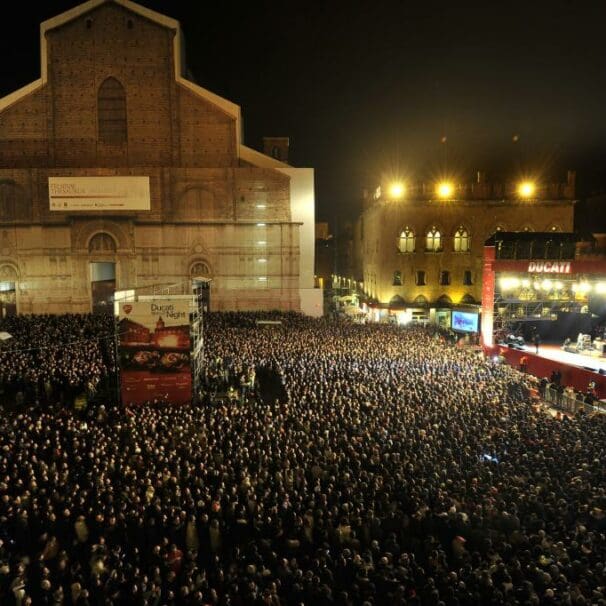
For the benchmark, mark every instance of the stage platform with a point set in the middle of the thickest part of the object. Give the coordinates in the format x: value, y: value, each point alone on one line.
x: 557, y: 354
x: 577, y: 369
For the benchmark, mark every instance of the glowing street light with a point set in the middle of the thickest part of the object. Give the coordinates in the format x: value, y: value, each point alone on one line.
x: 526, y: 189
x: 396, y: 189
x: 445, y: 189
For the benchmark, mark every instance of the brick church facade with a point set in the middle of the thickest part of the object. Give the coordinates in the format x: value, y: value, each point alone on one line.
x: 112, y: 102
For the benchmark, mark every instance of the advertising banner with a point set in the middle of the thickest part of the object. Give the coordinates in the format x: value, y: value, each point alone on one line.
x: 155, y: 351
x: 98, y: 193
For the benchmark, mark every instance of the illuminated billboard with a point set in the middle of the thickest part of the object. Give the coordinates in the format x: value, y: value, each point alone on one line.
x: 465, y: 321
x: 155, y: 351
x: 70, y: 194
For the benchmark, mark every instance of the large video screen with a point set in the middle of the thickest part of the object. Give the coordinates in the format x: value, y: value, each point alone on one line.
x: 465, y: 321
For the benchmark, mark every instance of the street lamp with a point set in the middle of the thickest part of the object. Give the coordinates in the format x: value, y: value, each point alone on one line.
x: 526, y: 189
x: 445, y: 189
x: 396, y: 190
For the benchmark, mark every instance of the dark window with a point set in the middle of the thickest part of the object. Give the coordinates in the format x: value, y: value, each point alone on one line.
x: 506, y: 250
x: 397, y: 278
x: 552, y: 249
x: 522, y: 250
x: 111, y: 112
x: 467, y: 278
x: 539, y: 249
x: 420, y: 278
x: 444, y: 278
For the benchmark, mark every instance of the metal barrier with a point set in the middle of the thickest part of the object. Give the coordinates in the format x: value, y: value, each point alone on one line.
x: 570, y: 401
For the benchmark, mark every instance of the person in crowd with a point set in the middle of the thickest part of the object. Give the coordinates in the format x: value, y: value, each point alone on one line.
x: 536, y: 339
x: 372, y: 465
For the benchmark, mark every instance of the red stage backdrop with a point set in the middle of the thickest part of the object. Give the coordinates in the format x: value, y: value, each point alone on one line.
x: 155, y: 351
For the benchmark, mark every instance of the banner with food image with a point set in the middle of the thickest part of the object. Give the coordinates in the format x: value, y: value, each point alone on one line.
x: 155, y: 351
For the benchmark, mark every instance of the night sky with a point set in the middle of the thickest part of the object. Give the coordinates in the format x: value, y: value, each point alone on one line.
x: 365, y: 89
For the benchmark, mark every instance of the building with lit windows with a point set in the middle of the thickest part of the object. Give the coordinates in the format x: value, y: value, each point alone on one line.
x: 117, y: 172
x: 419, y: 247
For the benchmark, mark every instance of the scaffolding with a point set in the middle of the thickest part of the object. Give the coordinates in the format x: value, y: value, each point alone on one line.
x: 201, y: 291
x: 509, y: 310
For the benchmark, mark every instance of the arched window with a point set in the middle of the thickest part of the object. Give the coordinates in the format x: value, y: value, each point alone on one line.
x: 462, y: 241
x: 444, y: 301
x: 102, y: 243
x: 433, y: 241
x: 8, y: 273
x: 200, y: 270
x: 407, y: 240
x: 468, y: 300
x: 420, y: 301
x: 111, y: 112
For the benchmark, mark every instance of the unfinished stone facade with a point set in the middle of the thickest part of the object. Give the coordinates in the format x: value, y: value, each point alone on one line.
x: 111, y: 101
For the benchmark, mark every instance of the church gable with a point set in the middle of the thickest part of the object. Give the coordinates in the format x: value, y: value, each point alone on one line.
x: 110, y: 71
x: 111, y: 94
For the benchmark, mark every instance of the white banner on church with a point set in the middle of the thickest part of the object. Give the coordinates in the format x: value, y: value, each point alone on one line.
x: 98, y: 193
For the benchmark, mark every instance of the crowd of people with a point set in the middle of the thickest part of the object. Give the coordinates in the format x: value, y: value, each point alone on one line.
x: 50, y: 357
x: 395, y: 468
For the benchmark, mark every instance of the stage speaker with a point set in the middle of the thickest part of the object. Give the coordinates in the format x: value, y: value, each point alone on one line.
x: 602, y: 371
